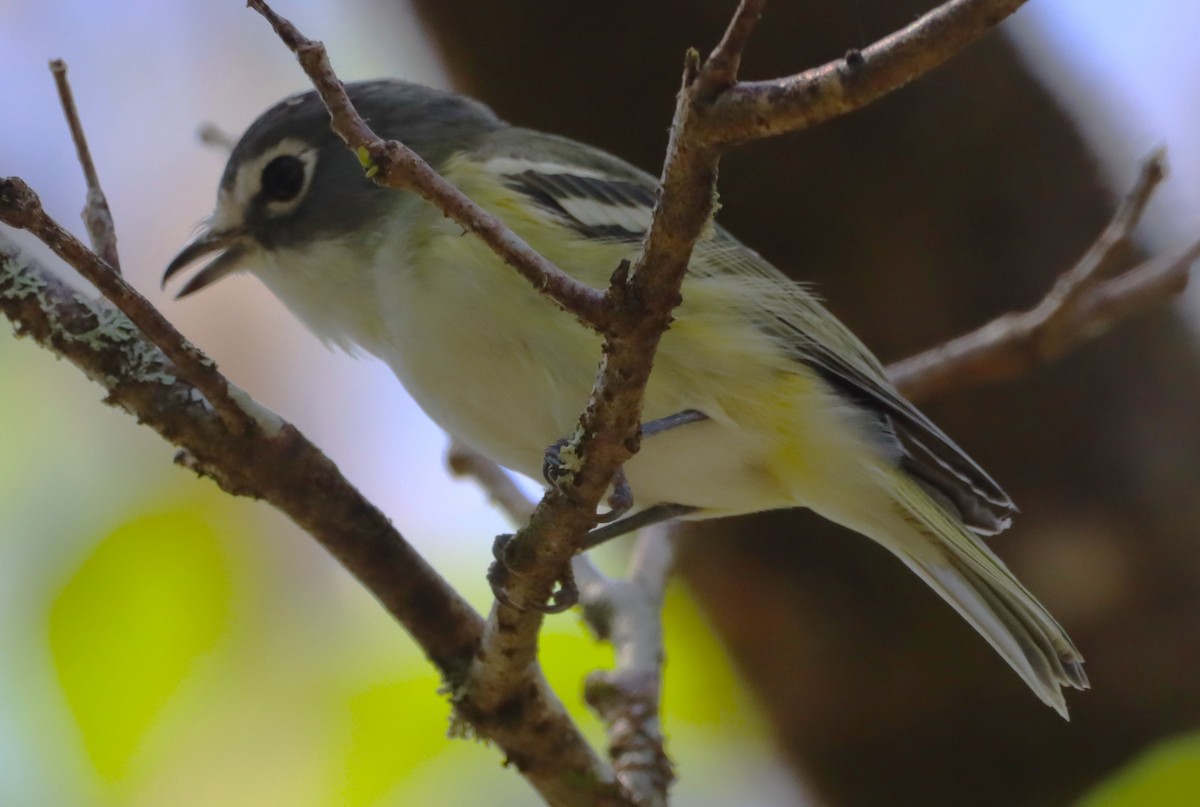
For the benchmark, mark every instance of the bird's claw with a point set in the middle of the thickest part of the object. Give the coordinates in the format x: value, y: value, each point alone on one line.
x: 554, y: 470
x: 558, y: 474
x: 620, y: 501
x: 563, y: 598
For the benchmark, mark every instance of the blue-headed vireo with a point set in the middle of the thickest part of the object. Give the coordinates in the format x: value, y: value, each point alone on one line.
x: 788, y: 408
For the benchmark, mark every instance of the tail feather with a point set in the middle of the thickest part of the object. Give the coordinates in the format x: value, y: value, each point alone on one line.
x: 1016, y: 625
x: 959, y: 566
x: 1065, y: 663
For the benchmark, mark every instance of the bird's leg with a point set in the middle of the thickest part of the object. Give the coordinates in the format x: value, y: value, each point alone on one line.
x: 614, y: 525
x: 558, y: 466
x: 651, y: 515
x: 660, y: 425
x: 619, y: 501
x: 560, y: 462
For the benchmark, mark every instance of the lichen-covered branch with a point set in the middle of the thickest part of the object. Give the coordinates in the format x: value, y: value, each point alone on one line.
x: 21, y: 208
x: 274, y: 462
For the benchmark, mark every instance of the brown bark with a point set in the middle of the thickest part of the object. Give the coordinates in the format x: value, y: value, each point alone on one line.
x: 919, y: 218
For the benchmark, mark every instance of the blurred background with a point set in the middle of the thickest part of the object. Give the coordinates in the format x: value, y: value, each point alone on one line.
x: 165, y: 644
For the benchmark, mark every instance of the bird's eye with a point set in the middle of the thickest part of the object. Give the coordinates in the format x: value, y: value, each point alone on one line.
x: 282, y: 178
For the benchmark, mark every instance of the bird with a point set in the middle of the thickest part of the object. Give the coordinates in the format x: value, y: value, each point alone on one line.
x: 760, y: 399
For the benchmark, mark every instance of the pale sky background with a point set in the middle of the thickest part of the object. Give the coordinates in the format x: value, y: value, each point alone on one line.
x: 146, y: 74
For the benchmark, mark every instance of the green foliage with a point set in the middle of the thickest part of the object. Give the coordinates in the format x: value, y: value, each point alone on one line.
x: 129, y: 626
x: 395, y: 726
x: 1168, y: 775
x: 181, y: 645
x: 700, y: 687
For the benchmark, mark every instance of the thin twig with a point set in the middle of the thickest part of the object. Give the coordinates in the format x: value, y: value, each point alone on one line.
x: 97, y: 217
x: 21, y: 208
x: 1110, y: 248
x: 501, y: 489
x: 213, y: 136
x: 628, y: 613
x: 1081, y: 305
x: 726, y: 59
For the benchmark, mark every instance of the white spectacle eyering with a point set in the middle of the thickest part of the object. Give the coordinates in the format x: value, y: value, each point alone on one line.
x: 232, y: 202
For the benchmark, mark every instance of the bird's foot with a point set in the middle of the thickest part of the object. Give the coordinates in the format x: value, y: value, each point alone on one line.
x: 564, y: 596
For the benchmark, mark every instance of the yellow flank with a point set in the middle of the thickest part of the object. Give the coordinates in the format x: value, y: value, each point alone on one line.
x: 818, y: 449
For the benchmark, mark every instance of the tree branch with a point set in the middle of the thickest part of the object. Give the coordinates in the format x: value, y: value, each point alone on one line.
x: 628, y: 613
x: 213, y: 136
x: 278, y: 464
x: 726, y: 59
x: 757, y: 109
x: 275, y: 462
x: 625, y: 613
x: 1081, y: 305
x: 20, y: 207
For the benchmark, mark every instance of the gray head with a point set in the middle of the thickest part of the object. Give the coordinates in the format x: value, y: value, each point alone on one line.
x: 291, y: 180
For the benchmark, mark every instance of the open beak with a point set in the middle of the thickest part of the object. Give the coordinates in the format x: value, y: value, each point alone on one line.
x: 230, y: 243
